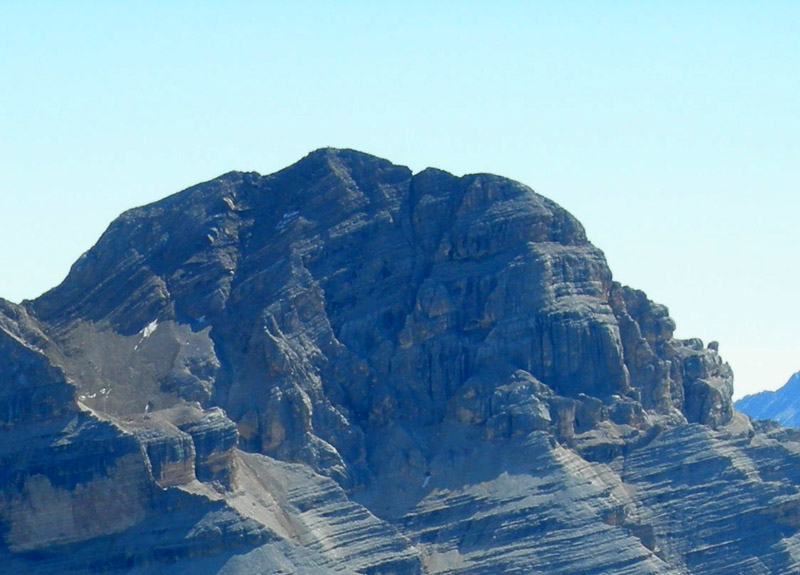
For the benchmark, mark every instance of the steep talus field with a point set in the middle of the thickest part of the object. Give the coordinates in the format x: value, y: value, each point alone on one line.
x: 346, y: 367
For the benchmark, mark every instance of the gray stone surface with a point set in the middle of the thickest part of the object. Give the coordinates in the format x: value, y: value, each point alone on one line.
x: 347, y: 367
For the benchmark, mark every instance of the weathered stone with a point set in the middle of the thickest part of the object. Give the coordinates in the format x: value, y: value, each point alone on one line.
x: 346, y: 367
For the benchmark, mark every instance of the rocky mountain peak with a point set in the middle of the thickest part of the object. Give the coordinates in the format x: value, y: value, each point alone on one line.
x: 344, y: 296
x: 388, y: 341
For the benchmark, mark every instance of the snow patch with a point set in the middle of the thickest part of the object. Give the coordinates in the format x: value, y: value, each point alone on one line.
x: 148, y: 330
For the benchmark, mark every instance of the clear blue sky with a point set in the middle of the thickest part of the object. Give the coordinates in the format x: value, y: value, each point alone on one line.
x: 670, y: 129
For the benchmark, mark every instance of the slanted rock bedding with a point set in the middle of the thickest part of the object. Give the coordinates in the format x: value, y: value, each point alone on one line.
x: 346, y: 367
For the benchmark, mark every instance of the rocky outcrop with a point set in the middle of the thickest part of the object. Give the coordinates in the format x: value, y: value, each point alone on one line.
x: 529, y: 506
x: 782, y: 405
x: 185, y: 443
x: 345, y: 294
x: 87, y: 492
x: 347, y: 366
x: 668, y: 373
x: 31, y: 388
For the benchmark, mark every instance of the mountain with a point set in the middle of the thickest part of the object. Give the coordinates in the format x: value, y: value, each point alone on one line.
x: 344, y: 367
x: 782, y: 405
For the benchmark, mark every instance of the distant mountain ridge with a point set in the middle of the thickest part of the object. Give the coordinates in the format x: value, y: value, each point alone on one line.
x: 782, y: 405
x: 345, y: 367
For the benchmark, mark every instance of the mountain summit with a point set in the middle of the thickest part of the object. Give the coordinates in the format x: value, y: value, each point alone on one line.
x: 346, y: 367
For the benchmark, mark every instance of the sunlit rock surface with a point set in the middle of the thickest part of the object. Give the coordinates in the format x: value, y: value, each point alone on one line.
x: 346, y: 367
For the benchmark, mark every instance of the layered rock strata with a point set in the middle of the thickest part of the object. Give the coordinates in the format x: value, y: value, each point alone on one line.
x: 347, y: 366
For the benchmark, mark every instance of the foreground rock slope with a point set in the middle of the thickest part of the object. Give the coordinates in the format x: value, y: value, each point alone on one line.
x: 346, y: 367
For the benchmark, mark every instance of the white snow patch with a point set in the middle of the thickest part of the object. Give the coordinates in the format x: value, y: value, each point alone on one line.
x: 148, y: 330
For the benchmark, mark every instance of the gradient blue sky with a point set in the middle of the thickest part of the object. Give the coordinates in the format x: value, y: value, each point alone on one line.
x: 671, y: 130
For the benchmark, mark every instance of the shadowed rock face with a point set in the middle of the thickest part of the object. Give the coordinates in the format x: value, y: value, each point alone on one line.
x: 455, y: 381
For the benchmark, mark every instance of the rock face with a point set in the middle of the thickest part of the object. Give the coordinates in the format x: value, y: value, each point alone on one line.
x: 782, y: 405
x: 348, y: 367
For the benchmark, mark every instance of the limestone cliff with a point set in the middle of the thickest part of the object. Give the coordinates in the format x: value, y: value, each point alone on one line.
x: 345, y: 365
